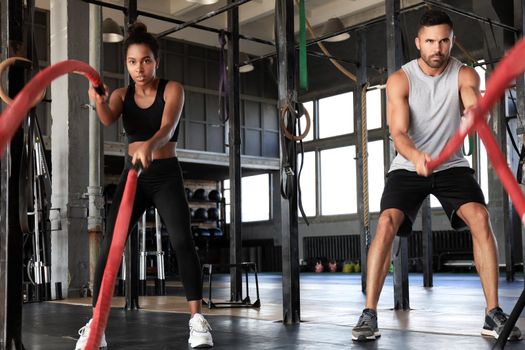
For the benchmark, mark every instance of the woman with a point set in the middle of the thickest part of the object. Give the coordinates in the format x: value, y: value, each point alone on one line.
x: 150, y: 108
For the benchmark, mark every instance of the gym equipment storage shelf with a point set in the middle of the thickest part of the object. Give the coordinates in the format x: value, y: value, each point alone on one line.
x: 207, y: 212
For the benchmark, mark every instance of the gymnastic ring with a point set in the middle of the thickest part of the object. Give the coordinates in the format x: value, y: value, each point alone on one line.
x: 287, y: 134
x: 3, y: 66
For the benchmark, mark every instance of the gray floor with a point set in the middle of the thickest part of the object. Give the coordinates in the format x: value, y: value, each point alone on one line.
x: 447, y: 316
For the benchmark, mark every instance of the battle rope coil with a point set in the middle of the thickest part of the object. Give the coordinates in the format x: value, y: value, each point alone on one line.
x: 120, y: 234
x: 15, y: 112
x: 509, y: 68
x: 3, y: 66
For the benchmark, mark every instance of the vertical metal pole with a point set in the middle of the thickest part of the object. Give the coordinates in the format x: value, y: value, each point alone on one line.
x: 400, y: 251
x: 235, y: 171
x: 14, y: 241
x: 284, y: 21
x: 143, y: 256
x: 520, y: 98
x: 362, y: 139
x: 426, y: 223
x: 510, y: 218
x: 132, y: 248
x: 500, y: 208
x: 4, y: 189
x: 161, y: 276
x: 94, y: 189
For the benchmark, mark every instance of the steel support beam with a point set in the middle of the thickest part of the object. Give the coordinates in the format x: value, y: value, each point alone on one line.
x: 520, y: 98
x: 361, y: 151
x: 11, y: 238
x: 94, y: 189
x: 231, y: 5
x: 503, y: 213
x: 4, y: 189
x: 235, y: 153
x: 471, y: 15
x: 286, y: 56
x: 176, y: 21
x: 132, y: 246
x: 400, y: 250
x: 426, y: 223
x: 344, y: 30
x: 520, y: 304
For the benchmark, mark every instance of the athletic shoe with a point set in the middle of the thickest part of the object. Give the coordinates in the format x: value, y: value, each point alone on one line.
x: 495, y: 322
x: 200, y: 336
x: 366, y: 327
x: 84, y: 334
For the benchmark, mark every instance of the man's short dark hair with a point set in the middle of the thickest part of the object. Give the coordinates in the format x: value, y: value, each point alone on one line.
x: 434, y: 18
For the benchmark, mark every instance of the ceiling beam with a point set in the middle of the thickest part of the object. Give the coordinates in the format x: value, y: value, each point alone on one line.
x: 181, y: 7
x: 255, y: 10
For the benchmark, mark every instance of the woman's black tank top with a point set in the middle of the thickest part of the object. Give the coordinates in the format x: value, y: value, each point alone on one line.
x: 141, y: 124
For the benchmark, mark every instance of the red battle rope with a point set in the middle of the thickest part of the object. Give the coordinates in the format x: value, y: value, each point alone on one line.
x: 10, y: 121
x: 16, y: 111
x: 120, y: 234
x: 507, y: 70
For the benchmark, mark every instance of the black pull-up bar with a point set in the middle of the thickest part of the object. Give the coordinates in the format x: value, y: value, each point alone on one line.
x: 176, y: 21
x: 203, y: 17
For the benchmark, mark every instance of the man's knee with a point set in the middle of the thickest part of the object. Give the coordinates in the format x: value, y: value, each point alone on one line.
x: 388, y: 224
x: 475, y: 215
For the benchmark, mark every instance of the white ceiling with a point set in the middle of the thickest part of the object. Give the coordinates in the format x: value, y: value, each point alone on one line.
x: 256, y: 17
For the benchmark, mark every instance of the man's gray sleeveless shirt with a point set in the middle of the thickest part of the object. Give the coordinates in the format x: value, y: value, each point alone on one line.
x: 435, y: 113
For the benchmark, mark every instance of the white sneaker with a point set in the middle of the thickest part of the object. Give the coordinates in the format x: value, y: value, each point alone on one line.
x: 84, y: 334
x: 200, y: 336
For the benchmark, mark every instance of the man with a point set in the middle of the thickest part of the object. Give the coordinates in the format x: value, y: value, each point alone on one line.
x: 425, y: 100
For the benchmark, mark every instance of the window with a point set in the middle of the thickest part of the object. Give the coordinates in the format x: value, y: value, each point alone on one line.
x: 309, y: 106
x: 484, y: 171
x: 373, y: 109
x: 376, y: 175
x: 481, y: 72
x: 336, y: 115
x: 338, y: 181
x: 255, y: 198
x: 307, y: 180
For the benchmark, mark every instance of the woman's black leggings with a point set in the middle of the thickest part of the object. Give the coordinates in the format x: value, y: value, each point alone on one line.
x: 161, y: 186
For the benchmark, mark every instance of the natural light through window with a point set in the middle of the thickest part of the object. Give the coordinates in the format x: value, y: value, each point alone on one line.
x: 376, y: 175
x: 338, y: 181
x: 308, y: 184
x: 484, y: 171
x: 309, y: 106
x: 336, y: 115
x: 255, y: 198
x: 373, y: 109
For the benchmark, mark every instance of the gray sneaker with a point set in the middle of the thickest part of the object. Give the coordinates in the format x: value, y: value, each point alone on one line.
x: 366, y: 327
x: 495, y: 322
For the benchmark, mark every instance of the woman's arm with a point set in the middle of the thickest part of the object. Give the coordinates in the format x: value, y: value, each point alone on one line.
x: 108, y: 113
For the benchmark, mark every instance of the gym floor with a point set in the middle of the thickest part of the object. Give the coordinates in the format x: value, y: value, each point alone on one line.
x: 447, y: 316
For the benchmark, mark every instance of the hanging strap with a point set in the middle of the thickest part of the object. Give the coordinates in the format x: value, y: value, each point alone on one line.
x: 303, y: 68
x: 223, y: 80
x: 290, y: 122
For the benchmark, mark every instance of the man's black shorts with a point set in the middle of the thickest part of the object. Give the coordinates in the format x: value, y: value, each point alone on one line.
x: 405, y: 190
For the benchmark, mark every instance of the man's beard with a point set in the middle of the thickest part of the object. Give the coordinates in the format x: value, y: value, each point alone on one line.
x: 435, y: 64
